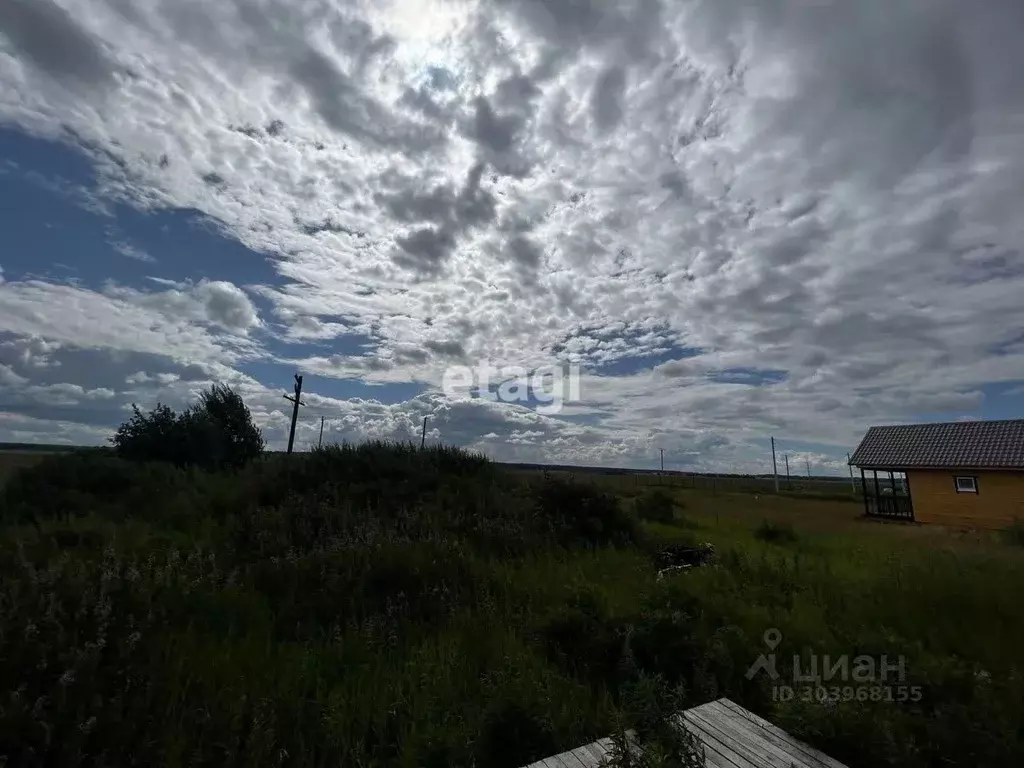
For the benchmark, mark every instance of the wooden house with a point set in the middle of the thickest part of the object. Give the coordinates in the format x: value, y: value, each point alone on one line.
x: 963, y: 474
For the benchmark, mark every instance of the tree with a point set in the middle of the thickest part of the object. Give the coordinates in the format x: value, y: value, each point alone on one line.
x: 215, y: 433
x: 227, y: 423
x: 153, y: 436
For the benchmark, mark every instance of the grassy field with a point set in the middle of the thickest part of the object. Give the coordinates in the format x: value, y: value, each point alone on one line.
x: 13, y: 460
x: 383, y: 606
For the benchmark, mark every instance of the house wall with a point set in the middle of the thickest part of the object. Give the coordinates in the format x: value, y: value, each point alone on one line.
x: 1000, y: 498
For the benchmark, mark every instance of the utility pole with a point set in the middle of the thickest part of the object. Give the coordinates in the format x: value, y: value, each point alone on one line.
x: 320, y: 443
x: 423, y: 437
x: 789, y: 483
x: 296, y: 402
x: 775, y: 467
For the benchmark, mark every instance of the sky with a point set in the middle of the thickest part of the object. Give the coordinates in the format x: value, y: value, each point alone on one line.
x: 739, y: 218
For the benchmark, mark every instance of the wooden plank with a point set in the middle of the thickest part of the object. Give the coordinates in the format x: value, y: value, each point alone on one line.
x: 605, y: 745
x: 811, y: 755
x: 783, y: 751
x: 779, y: 734
x: 564, y: 760
x: 732, y: 737
x: 716, y: 753
x: 740, y: 737
x: 739, y: 746
x: 587, y: 758
x: 594, y: 753
x: 571, y: 760
x: 597, y: 750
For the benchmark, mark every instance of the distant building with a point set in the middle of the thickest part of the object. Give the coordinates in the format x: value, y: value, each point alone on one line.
x: 963, y: 474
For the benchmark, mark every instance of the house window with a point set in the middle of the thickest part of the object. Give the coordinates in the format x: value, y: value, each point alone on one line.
x: 966, y: 484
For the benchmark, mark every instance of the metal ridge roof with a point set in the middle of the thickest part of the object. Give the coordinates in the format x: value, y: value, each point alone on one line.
x: 974, y: 444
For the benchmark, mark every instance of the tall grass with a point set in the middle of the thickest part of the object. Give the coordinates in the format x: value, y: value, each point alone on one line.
x: 379, y: 605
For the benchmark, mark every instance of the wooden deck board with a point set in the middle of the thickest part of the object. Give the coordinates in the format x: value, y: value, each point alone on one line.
x: 737, y: 737
x: 596, y: 753
x: 812, y: 757
x: 587, y: 758
x: 564, y: 760
x: 726, y: 751
x: 732, y: 736
x: 716, y: 754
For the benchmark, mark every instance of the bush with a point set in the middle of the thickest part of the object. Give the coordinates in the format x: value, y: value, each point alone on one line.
x: 650, y: 706
x: 513, y: 736
x: 216, y: 433
x: 1015, y: 533
x: 68, y: 485
x: 656, y: 507
x: 582, y: 514
x: 582, y: 639
x: 775, y: 533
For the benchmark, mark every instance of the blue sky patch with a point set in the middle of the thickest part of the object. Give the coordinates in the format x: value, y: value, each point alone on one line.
x: 627, y: 366
x: 56, y: 227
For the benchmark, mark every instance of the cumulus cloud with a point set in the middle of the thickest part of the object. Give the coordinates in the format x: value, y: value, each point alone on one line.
x: 181, y: 322
x: 818, y: 197
x: 227, y: 305
x: 54, y: 41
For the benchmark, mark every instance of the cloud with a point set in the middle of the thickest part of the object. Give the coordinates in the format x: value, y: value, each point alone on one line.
x: 227, y: 305
x: 349, y: 110
x: 606, y: 101
x: 180, y: 322
x: 132, y: 252
x: 821, y: 196
x: 45, y: 34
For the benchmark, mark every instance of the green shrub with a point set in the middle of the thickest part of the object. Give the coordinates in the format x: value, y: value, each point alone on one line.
x: 513, y: 736
x: 1014, y: 534
x: 216, y: 433
x: 582, y: 639
x: 67, y: 485
x: 581, y: 514
x: 656, y: 506
x: 659, y: 739
x: 775, y: 533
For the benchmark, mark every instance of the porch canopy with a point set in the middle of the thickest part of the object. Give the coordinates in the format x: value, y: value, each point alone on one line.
x: 958, y: 445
